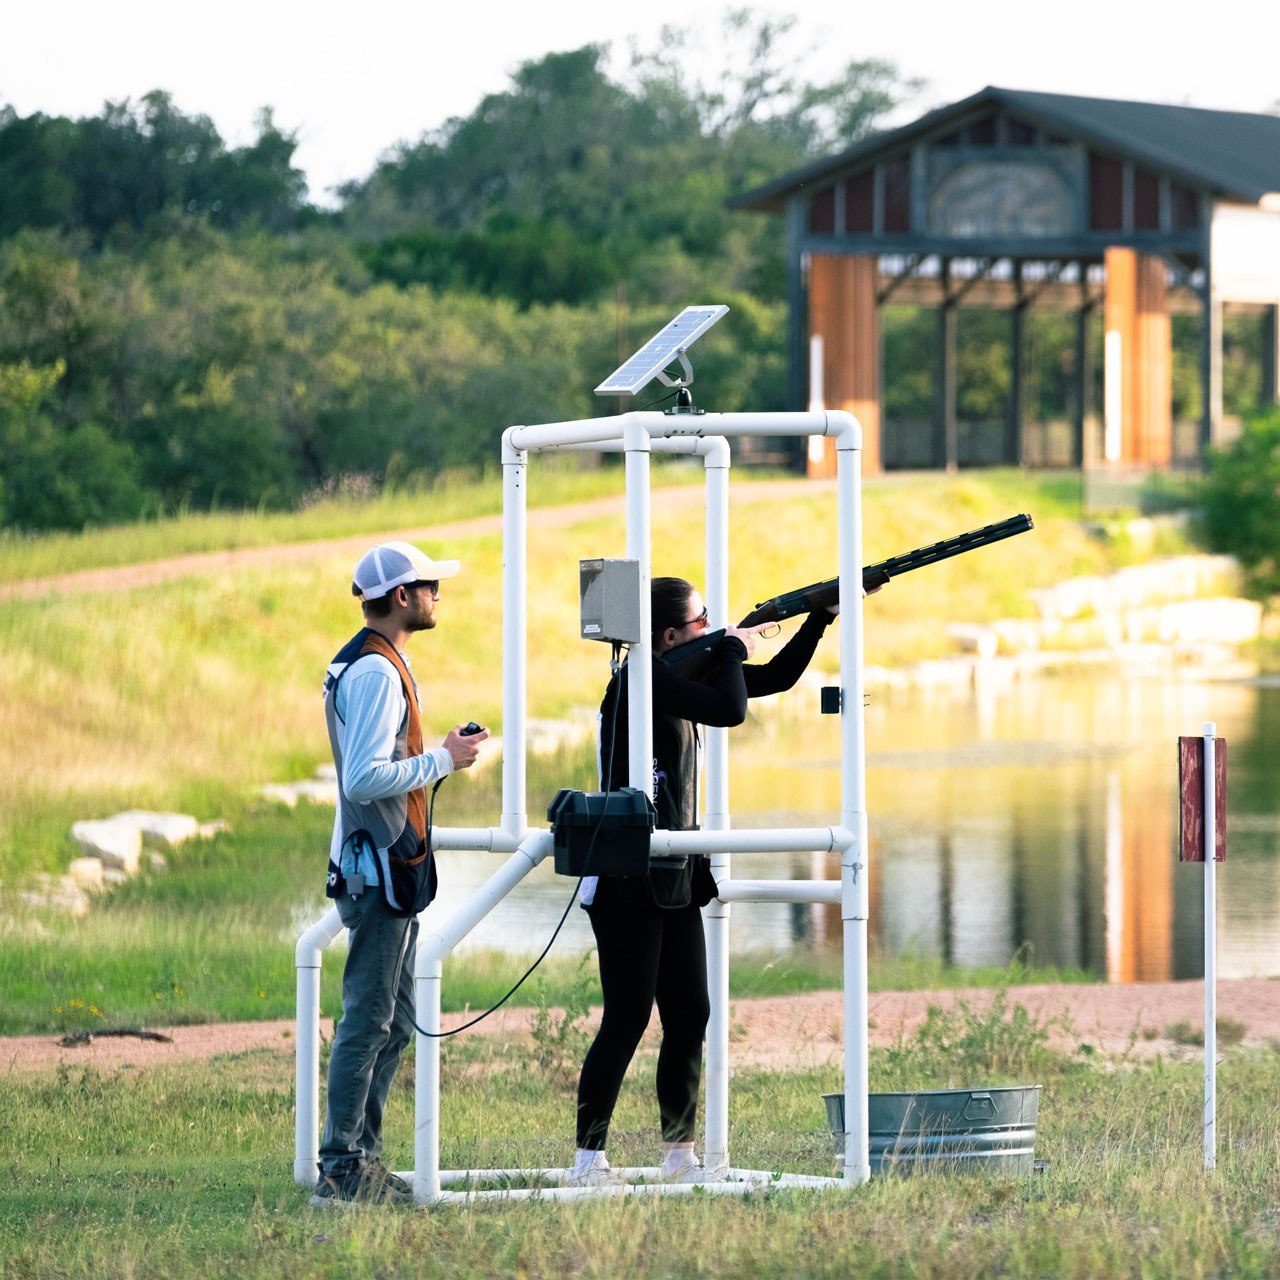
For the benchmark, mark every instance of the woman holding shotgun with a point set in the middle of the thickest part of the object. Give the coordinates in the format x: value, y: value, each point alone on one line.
x: 648, y: 929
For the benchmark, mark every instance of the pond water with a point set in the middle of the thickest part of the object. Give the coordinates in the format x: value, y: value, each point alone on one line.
x: 1039, y: 814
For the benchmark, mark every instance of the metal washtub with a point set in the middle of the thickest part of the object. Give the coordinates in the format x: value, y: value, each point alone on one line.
x: 951, y: 1129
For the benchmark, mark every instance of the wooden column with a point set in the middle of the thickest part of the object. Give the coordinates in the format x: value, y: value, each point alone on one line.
x: 946, y: 427
x: 844, y: 312
x: 1153, y: 369
x: 1138, y: 338
x: 1270, y: 322
x: 797, y: 340
x: 1085, y: 372
x: 1017, y: 362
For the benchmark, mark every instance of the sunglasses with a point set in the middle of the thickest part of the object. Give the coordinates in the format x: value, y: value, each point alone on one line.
x: 425, y: 584
x: 700, y: 621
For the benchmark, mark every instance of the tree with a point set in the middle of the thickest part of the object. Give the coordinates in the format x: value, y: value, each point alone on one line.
x: 1240, y: 499
x: 53, y: 479
x: 635, y: 169
x: 135, y: 160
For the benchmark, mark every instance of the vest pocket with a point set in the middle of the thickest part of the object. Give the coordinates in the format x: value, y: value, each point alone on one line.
x: 411, y: 881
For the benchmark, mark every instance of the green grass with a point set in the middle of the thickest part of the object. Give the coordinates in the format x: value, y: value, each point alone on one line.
x: 211, y: 939
x: 186, y: 1171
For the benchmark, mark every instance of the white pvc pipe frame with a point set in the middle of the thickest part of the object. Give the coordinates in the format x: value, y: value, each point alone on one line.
x: 637, y: 435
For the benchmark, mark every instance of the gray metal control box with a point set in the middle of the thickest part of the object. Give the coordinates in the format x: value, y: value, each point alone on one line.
x: 609, y: 599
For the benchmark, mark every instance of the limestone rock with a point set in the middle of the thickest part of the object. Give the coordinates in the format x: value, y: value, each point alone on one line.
x: 317, y: 792
x: 161, y: 830
x: 289, y: 793
x: 282, y: 793
x: 86, y: 872
x: 115, y: 844
x: 971, y: 638
x: 59, y: 892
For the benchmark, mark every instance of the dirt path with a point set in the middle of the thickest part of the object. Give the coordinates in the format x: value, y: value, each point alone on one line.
x: 204, y: 563
x: 781, y: 1032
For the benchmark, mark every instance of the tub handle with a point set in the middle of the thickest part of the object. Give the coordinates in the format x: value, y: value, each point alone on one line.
x: 980, y: 1107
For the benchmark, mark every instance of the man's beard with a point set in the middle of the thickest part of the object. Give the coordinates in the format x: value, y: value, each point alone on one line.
x: 422, y: 621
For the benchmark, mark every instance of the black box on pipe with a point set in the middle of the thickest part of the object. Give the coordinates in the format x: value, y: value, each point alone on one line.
x: 601, y: 833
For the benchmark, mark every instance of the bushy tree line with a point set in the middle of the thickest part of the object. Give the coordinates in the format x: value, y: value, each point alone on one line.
x: 210, y: 370
x: 120, y: 168
x: 178, y: 326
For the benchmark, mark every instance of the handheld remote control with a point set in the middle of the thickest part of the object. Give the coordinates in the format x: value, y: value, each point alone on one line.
x: 470, y: 728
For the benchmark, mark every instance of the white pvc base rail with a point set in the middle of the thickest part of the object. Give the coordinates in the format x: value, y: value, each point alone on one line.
x: 637, y: 1182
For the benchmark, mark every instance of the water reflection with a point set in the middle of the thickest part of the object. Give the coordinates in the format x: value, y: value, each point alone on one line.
x: 1045, y: 813
x: 1040, y: 813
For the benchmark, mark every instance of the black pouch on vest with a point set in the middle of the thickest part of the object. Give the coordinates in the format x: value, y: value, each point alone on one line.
x: 413, y: 875
x: 670, y: 883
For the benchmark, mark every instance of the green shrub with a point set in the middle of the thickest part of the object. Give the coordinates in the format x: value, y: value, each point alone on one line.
x: 1240, y: 499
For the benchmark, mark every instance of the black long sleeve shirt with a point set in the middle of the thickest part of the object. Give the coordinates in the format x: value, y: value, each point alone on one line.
x: 679, y: 703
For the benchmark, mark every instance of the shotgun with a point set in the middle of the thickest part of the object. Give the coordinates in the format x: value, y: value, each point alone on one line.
x: 695, y: 657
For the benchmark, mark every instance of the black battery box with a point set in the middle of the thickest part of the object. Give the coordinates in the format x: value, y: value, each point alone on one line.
x: 601, y: 833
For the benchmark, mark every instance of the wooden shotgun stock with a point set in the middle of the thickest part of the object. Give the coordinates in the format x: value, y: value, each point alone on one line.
x: 695, y: 658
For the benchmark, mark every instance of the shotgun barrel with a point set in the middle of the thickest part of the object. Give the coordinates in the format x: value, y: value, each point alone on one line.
x: 820, y: 594
x: 696, y: 657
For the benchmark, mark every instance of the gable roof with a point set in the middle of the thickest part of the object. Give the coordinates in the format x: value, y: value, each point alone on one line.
x: 1232, y: 153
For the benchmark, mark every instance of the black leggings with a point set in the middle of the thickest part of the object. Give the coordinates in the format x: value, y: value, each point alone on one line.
x: 645, y: 954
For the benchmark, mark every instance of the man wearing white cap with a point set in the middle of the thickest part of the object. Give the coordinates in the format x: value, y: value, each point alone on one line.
x: 381, y: 871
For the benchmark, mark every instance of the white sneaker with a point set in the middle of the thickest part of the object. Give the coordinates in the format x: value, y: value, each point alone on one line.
x: 688, y: 1170
x: 591, y: 1169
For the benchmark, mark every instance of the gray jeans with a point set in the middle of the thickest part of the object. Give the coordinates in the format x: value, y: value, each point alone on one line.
x: 377, y: 1005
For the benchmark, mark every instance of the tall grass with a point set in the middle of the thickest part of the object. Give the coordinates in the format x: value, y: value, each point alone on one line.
x: 180, y: 694
x: 345, y: 511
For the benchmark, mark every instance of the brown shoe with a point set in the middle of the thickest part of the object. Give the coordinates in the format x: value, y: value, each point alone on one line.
x: 369, y: 1184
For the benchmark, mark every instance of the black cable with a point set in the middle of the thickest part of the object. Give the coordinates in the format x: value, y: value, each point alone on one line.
x: 607, y: 775
x: 660, y: 400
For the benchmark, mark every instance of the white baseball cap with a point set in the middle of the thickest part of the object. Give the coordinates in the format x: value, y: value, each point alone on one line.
x: 391, y: 564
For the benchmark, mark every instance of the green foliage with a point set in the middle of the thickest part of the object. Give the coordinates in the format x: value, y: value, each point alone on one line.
x: 218, y: 343
x: 1240, y: 500
x: 950, y: 1049
x: 135, y: 160
x: 50, y: 478
x: 560, y: 1040
x: 223, y: 371
x: 597, y: 179
x: 527, y: 261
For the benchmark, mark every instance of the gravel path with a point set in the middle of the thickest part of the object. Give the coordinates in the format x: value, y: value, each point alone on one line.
x: 782, y: 1032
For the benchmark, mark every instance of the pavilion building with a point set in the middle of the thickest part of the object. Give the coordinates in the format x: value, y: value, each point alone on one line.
x: 1013, y: 200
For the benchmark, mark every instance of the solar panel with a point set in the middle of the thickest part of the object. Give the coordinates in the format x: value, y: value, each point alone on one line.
x: 664, y: 347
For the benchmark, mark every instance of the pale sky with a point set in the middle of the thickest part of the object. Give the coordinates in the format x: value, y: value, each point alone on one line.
x: 353, y: 79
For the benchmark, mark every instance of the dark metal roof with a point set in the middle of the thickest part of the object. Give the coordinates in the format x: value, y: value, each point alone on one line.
x: 1232, y: 153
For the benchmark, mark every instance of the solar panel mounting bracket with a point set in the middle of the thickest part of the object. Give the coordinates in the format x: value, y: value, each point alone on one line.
x: 686, y: 381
